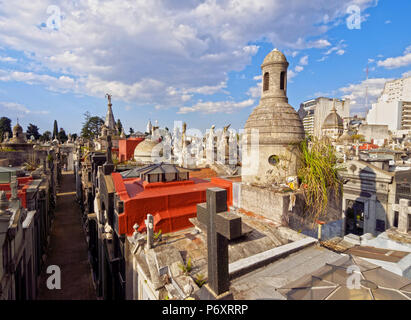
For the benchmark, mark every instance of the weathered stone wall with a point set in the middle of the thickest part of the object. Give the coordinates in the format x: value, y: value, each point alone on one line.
x: 18, y: 158
x: 269, y: 203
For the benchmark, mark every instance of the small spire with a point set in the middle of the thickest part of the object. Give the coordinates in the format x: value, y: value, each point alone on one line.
x: 334, y: 109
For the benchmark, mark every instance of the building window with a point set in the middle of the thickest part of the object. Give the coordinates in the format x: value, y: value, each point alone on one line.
x: 282, y: 80
x: 266, y: 81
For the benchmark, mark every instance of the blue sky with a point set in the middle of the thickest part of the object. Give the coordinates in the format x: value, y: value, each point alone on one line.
x: 193, y: 60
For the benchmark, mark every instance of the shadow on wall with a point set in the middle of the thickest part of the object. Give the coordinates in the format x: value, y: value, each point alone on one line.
x: 361, y: 213
x: 333, y: 227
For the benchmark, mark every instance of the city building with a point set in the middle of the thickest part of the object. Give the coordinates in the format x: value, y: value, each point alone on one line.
x: 314, y: 112
x: 393, y: 107
x: 333, y: 126
x: 369, y: 191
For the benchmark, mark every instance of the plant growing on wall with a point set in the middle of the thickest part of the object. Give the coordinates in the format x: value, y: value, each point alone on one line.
x: 318, y: 175
x: 187, y: 267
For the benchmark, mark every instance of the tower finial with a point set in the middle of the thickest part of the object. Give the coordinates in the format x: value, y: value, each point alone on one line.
x: 108, y: 96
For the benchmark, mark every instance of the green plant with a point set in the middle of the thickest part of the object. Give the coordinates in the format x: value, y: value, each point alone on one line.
x: 199, y: 280
x: 158, y: 235
x: 319, y: 175
x: 187, y: 267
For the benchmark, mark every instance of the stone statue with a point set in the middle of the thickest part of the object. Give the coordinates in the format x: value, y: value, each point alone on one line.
x: 226, y: 129
x: 108, y: 96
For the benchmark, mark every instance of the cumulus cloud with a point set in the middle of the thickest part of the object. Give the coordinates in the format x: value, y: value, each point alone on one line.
x: 19, y: 109
x: 406, y: 74
x: 304, y: 61
x: 397, y: 62
x: 357, y: 92
x: 156, y: 52
x: 7, y: 59
x: 217, y: 107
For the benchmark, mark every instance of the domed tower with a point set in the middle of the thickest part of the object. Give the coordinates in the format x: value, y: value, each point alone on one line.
x: 275, y: 154
x: 333, y: 126
x: 18, y: 135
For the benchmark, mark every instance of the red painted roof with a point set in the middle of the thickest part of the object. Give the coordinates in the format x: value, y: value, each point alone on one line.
x: 23, y: 185
x: 171, y: 203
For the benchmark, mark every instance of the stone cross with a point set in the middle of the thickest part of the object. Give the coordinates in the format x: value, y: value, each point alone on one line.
x: 150, y: 230
x: 404, y: 210
x: 222, y: 226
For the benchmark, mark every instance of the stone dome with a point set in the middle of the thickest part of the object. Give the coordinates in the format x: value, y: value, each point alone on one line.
x: 144, y: 151
x: 333, y: 121
x: 276, y: 120
x: 17, y: 129
x: 277, y: 123
x: 275, y: 56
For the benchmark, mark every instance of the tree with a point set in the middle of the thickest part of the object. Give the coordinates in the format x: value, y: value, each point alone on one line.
x: 46, y: 136
x: 55, y: 130
x: 74, y: 136
x: 92, y: 126
x: 33, y: 130
x: 5, y: 126
x: 119, y: 126
x: 62, y: 136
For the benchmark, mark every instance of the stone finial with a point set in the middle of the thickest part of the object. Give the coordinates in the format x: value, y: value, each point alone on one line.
x: 135, y: 233
x: 14, y: 188
x: 4, y: 203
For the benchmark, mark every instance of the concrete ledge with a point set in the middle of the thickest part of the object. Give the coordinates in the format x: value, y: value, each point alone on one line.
x: 245, y: 265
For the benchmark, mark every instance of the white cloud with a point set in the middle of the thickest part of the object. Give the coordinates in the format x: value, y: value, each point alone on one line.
x: 19, y: 109
x: 397, y: 62
x: 304, y: 61
x: 406, y: 74
x: 357, y: 92
x: 298, y: 68
x: 392, y: 63
x: 156, y: 52
x: 8, y: 59
x: 217, y: 107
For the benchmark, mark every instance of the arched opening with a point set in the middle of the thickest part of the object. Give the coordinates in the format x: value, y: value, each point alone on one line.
x: 266, y: 81
x: 282, y: 80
